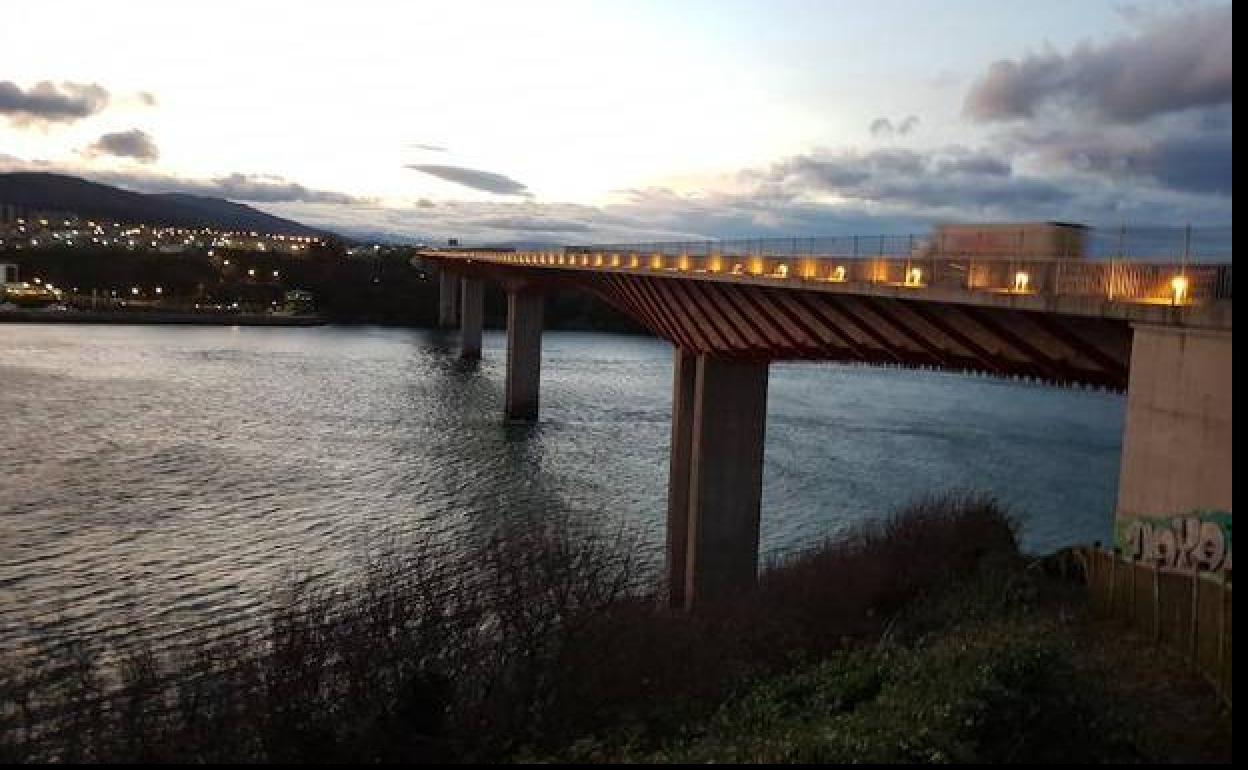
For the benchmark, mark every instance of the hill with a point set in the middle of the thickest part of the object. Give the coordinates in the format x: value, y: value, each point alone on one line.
x: 38, y: 191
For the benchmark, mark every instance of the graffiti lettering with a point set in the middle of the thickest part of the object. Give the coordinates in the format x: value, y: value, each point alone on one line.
x: 1189, y: 543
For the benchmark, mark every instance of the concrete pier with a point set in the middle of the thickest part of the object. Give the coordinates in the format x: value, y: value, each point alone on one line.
x: 448, y: 299
x: 1176, y: 449
x: 718, y: 428
x: 684, y: 379
x: 524, y: 354
x: 471, y: 318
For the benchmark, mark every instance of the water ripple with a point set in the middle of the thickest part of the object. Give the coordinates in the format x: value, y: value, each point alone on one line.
x: 169, y: 479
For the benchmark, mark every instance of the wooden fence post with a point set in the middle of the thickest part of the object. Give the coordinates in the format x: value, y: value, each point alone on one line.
x: 1222, y: 651
x: 1113, y: 581
x: 1156, y: 604
x: 1194, y: 626
x: 1134, y: 568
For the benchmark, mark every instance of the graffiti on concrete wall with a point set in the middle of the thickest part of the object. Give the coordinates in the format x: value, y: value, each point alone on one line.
x: 1196, y: 542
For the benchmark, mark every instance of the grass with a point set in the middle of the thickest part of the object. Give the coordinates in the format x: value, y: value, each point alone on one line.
x: 925, y: 637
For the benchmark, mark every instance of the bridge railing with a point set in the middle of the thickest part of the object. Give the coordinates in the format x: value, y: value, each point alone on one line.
x: 1175, y: 283
x: 1134, y: 243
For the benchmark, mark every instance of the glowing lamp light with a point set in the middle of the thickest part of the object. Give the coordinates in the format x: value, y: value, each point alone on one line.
x: 1021, y: 279
x: 159, y: 290
x: 782, y: 271
x: 914, y: 277
x: 251, y: 271
x: 615, y: 260
x: 738, y: 269
x: 1178, y: 289
x: 134, y: 290
x: 838, y: 274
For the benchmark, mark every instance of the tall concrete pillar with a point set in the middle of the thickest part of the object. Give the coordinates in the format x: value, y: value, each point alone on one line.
x: 471, y: 318
x: 684, y: 377
x: 448, y: 299
x: 1176, y: 448
x: 524, y: 354
x: 724, y: 491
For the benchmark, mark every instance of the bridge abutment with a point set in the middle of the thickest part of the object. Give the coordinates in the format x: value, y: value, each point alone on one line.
x: 524, y: 354
x: 471, y: 318
x: 1176, y: 449
x: 448, y: 299
x: 719, y: 417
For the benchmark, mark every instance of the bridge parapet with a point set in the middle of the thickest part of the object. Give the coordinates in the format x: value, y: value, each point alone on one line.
x: 1133, y: 290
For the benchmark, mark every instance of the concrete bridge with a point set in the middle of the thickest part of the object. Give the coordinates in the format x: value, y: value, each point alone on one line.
x: 1161, y: 332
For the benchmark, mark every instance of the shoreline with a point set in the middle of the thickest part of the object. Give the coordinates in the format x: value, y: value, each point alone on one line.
x: 155, y: 318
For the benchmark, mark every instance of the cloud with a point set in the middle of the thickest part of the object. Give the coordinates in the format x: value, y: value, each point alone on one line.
x: 1189, y: 156
x: 948, y: 178
x: 883, y: 127
x: 135, y: 144
x: 1171, y: 63
x: 487, y: 181
x: 427, y: 147
x: 147, y: 98
x: 534, y: 224
x: 48, y: 102
x: 251, y: 188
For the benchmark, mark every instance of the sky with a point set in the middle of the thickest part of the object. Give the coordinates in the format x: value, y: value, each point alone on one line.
x: 585, y: 121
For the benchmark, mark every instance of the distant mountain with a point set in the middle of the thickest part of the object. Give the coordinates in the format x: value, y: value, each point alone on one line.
x: 37, y: 191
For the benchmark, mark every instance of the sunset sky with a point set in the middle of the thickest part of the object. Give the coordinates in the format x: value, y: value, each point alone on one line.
x: 607, y: 121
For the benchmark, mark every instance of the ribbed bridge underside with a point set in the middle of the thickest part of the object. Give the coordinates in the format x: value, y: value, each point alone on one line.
x: 760, y: 322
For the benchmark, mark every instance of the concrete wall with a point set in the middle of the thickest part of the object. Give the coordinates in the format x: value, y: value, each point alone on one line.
x: 1176, y: 455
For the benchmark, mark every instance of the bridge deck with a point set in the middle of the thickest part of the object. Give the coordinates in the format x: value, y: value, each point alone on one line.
x: 1174, y: 294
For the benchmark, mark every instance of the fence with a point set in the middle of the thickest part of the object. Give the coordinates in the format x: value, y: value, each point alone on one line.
x: 1174, y: 283
x: 1136, y: 243
x: 1187, y: 612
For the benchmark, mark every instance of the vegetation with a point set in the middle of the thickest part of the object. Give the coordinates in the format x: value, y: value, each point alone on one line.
x: 925, y: 638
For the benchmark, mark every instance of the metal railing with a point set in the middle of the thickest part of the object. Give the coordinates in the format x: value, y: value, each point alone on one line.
x: 1134, y: 243
x: 1172, y: 283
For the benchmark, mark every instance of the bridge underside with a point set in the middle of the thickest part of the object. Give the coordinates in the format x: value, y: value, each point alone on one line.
x: 762, y: 323
x: 725, y: 334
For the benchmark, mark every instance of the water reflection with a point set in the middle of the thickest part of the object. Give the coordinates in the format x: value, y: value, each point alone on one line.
x: 170, y: 477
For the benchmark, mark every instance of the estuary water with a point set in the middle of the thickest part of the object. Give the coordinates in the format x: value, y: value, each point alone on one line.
x: 169, y: 479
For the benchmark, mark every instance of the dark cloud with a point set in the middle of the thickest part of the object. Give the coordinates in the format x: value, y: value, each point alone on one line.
x: 883, y: 127
x: 1171, y: 63
x: 1187, y: 159
x: 262, y: 188
x: 945, y: 178
x: 486, y: 181
x: 135, y: 144
x: 973, y: 163
x: 48, y: 102
x: 249, y: 188
x: 534, y: 224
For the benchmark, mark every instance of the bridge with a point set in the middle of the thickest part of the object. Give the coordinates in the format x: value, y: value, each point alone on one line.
x: 1161, y: 331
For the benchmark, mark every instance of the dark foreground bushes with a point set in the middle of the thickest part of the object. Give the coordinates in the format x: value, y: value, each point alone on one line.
x: 906, y: 641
